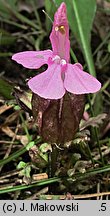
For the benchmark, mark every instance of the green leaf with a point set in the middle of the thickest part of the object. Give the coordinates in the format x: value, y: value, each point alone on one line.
x: 18, y: 153
x: 50, y: 9
x: 13, y: 3
x: 9, y: 8
x: 30, y: 145
x: 6, y: 89
x: 4, y: 7
x: 82, y: 14
x: 21, y: 165
x: 25, y: 170
x: 44, y: 148
x: 6, y: 38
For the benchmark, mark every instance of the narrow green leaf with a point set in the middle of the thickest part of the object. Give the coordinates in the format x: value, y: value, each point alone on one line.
x: 6, y: 89
x: 6, y: 38
x: 4, y: 9
x: 50, y: 9
x: 35, y: 184
x: 17, y: 154
x: 9, y: 11
x: 83, y: 15
x: 77, y: 177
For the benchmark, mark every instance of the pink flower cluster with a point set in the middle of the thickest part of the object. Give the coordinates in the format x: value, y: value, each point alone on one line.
x: 60, y: 76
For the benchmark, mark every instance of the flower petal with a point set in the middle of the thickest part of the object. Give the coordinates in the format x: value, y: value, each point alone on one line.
x: 48, y: 84
x: 59, y: 36
x: 79, y: 82
x: 32, y: 59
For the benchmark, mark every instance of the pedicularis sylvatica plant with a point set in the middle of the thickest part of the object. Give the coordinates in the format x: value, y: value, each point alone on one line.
x: 58, y: 93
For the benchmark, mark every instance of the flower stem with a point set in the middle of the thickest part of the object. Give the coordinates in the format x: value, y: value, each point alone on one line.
x: 25, y: 127
x: 54, y: 155
x: 89, y: 151
x: 95, y: 130
x: 52, y: 166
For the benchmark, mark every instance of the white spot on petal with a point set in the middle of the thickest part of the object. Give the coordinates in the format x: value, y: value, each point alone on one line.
x: 56, y: 59
x: 40, y: 56
x: 63, y: 62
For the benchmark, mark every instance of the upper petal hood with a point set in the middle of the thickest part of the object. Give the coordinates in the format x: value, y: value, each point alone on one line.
x: 59, y: 36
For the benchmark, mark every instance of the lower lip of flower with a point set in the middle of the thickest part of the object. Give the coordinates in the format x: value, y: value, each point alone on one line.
x: 62, y: 63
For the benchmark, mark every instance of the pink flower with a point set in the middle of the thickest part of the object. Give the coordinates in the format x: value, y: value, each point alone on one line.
x: 61, y: 76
